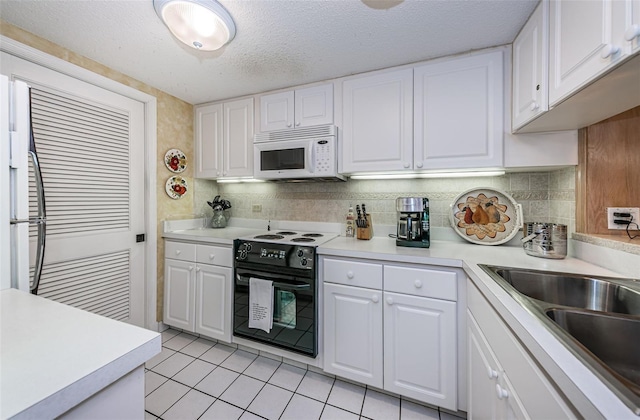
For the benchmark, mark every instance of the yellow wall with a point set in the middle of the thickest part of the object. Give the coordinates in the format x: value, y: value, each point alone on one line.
x: 174, y: 130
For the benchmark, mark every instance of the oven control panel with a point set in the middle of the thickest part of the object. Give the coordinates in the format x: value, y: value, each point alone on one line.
x: 272, y: 254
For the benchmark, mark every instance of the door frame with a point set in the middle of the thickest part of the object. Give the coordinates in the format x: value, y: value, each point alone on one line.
x: 13, y: 47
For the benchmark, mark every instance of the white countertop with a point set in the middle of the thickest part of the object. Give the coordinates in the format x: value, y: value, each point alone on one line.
x: 584, y: 389
x: 222, y: 236
x: 54, y: 356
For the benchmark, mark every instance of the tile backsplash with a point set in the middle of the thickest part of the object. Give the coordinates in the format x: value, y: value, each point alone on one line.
x: 545, y: 197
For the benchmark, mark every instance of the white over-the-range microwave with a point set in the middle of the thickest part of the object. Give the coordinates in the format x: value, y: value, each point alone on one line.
x: 308, y: 153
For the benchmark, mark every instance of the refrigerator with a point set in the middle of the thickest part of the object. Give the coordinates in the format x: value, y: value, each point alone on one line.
x: 19, y: 252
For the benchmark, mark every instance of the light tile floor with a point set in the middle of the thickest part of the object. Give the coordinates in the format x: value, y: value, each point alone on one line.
x: 194, y: 378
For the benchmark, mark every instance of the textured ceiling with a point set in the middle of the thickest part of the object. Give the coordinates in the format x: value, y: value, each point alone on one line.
x: 279, y: 43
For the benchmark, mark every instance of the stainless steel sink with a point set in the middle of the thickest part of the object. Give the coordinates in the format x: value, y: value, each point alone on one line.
x: 577, y: 291
x: 596, y: 318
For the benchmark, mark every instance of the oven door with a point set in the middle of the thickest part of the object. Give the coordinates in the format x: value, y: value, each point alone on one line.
x: 294, y: 311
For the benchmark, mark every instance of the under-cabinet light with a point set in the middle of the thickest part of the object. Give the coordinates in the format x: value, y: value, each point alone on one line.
x: 418, y: 175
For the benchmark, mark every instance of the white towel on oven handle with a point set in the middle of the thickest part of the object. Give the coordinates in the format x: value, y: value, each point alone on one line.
x: 260, y: 304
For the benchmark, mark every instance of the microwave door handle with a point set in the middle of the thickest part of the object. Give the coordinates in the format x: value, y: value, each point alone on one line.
x: 312, y: 158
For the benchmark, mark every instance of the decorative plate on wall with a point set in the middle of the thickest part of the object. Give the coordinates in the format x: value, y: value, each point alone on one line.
x: 176, y: 187
x: 175, y: 161
x: 486, y: 216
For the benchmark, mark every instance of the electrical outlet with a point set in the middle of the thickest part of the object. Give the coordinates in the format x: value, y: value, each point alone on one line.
x: 256, y: 208
x: 634, y: 211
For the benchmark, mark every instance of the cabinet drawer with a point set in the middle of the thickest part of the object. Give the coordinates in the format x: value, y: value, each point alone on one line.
x: 437, y: 284
x: 216, y: 255
x: 353, y: 273
x: 180, y: 251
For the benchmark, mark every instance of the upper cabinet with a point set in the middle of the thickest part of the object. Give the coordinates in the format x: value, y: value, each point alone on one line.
x: 530, y: 76
x: 224, y: 139
x: 377, y: 124
x: 297, y: 108
x: 459, y: 112
x: 593, y: 65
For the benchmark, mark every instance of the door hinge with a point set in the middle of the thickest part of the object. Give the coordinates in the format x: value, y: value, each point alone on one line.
x: 140, y: 237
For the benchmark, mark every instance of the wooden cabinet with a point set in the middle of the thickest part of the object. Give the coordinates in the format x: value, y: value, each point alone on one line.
x: 198, y: 289
x: 377, y: 127
x: 530, y: 68
x: 391, y: 327
x: 224, y: 139
x: 504, y: 381
x: 297, y: 108
x: 458, y: 112
x: 583, y: 44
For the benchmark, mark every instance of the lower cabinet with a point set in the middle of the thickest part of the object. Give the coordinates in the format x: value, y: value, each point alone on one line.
x: 197, y: 297
x: 504, y: 381
x: 400, y: 342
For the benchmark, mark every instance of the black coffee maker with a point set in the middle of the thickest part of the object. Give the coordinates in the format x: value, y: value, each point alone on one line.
x: 413, y: 222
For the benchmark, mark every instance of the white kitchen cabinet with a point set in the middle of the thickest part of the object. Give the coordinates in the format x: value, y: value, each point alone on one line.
x: 422, y: 330
x: 504, y: 381
x: 224, y: 139
x: 198, y: 289
x: 459, y: 112
x: 179, y: 293
x: 353, y: 333
x: 583, y: 44
x: 392, y: 327
x: 530, y: 68
x: 297, y: 108
x: 377, y: 127
x: 628, y: 33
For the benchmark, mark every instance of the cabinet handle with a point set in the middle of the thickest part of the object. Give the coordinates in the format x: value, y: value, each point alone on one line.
x: 534, y: 106
x: 190, y: 268
x: 212, y: 256
x: 390, y: 301
x: 609, y: 50
x: 406, y: 164
x: 297, y: 124
x: 197, y: 269
x: 178, y: 252
x: 502, y: 393
x: 418, y: 164
x: 375, y: 298
x: 492, y: 373
x: 289, y: 125
x: 350, y: 274
x: 418, y: 284
x: 217, y: 173
x: 224, y: 173
x: 632, y: 32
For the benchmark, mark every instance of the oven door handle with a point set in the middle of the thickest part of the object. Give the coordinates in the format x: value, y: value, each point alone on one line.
x: 242, y: 282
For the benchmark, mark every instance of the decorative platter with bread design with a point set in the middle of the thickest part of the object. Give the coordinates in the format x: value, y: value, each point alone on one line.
x: 486, y: 216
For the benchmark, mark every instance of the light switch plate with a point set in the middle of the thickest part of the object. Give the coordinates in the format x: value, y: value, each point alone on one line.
x: 635, y: 216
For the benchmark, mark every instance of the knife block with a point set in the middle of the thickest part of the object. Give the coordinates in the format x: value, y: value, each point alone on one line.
x: 365, y: 233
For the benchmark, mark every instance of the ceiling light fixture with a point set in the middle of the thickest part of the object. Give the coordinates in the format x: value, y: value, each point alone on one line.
x: 201, y: 24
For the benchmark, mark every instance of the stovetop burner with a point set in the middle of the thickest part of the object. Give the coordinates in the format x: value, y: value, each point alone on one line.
x: 268, y: 236
x: 313, y: 235
x: 287, y: 233
x: 303, y: 239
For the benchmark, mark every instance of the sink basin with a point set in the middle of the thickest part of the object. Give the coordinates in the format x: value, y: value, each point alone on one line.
x: 573, y: 290
x: 602, y: 335
x: 596, y: 318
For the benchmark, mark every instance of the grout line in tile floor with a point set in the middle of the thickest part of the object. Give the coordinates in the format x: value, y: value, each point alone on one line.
x: 168, y: 399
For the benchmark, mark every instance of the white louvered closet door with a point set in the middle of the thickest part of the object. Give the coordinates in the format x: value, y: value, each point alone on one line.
x: 90, y: 143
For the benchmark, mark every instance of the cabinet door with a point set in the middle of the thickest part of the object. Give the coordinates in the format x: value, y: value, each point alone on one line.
x: 238, y: 138
x: 353, y: 333
x: 378, y: 122
x: 208, y: 141
x: 314, y: 106
x: 179, y: 294
x: 276, y: 111
x: 213, y: 301
x: 626, y: 25
x: 459, y: 114
x: 530, y: 68
x: 420, y: 353
x: 482, y: 375
x: 581, y: 43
